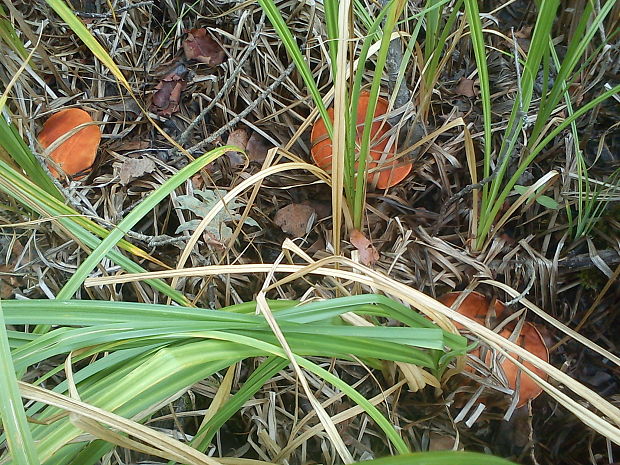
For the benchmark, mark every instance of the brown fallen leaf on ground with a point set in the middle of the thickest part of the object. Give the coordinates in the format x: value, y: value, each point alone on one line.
x: 524, y: 33
x: 318, y: 245
x: 295, y: 218
x: 239, y: 138
x: 368, y: 253
x: 167, y: 95
x: 133, y: 168
x: 200, y: 46
x: 466, y: 88
x: 257, y: 147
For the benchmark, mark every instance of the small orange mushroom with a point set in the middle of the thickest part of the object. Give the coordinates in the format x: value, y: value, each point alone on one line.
x: 391, y: 171
x: 77, y: 153
x: 474, y: 306
x: 530, y: 339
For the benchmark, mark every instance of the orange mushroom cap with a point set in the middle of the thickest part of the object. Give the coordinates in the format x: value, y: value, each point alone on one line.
x: 531, y: 340
x: 391, y: 171
x: 474, y: 306
x: 76, y: 154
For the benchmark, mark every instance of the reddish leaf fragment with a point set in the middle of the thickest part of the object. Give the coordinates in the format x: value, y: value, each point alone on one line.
x: 466, y: 88
x: 238, y: 138
x: 168, y: 92
x: 257, y: 147
x: 200, y: 46
x: 294, y: 219
x: 368, y: 253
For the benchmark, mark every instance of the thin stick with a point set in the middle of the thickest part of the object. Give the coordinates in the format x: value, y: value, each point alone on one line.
x: 229, y: 82
x: 261, y: 98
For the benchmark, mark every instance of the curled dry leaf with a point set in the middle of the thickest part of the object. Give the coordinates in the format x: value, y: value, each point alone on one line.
x: 76, y: 155
x: 238, y: 138
x: 167, y: 95
x: 390, y: 171
x: 133, y: 168
x: 466, y: 88
x: 200, y: 46
x: 368, y: 253
x: 257, y: 147
x: 295, y: 219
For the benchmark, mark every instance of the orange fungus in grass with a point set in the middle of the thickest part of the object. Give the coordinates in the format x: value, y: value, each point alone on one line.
x: 76, y: 154
x: 476, y: 306
x: 530, y: 339
x: 390, y: 171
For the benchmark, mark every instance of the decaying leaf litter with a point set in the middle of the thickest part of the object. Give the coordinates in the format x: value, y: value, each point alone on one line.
x: 246, y: 86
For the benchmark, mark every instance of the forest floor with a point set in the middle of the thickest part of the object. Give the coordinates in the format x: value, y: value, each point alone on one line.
x: 213, y: 73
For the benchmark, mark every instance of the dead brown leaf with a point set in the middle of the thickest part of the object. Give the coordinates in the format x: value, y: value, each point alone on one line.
x: 200, y: 46
x: 8, y: 284
x: 322, y: 209
x: 295, y: 219
x: 239, y: 138
x: 133, y: 168
x: 368, y: 253
x: 168, y: 92
x: 440, y: 441
x: 524, y: 33
x: 318, y: 245
x: 257, y: 147
x: 466, y: 88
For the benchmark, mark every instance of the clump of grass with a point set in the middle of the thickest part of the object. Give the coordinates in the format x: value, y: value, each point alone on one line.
x: 132, y: 358
x: 497, y: 186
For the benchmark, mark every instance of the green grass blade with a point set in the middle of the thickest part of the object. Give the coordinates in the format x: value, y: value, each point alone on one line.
x: 8, y: 35
x: 581, y: 40
x: 331, y: 21
x: 252, y: 385
x: 32, y: 196
x: 273, y: 13
x: 71, y: 287
x: 374, y: 30
x: 538, y: 148
x: 14, y: 422
x: 77, y: 26
x: 440, y: 458
x: 20, y: 152
x: 539, y: 44
x: 394, y: 11
x: 477, y: 39
x: 196, y: 344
